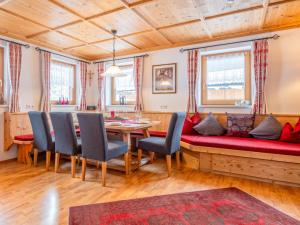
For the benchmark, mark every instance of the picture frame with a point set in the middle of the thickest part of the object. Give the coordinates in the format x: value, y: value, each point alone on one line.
x: 164, y: 78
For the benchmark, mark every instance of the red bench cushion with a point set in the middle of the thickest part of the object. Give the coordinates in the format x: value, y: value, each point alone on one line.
x: 246, y: 144
x: 25, y: 137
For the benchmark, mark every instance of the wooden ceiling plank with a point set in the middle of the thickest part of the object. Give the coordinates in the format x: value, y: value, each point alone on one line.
x: 24, y: 18
x: 203, y: 22
x: 139, y: 3
x: 179, y: 24
x: 106, y: 13
x: 264, y: 12
x: 234, y: 12
x: 3, y: 2
x: 127, y: 5
x: 76, y: 46
x: 281, y: 2
x: 87, y: 20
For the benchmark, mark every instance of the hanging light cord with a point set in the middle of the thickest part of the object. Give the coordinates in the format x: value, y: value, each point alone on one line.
x: 114, y: 47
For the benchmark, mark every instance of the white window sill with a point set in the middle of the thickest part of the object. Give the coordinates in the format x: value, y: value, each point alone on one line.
x: 63, y: 105
x: 225, y: 106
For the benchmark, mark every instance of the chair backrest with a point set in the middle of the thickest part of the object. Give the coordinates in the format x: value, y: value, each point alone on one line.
x: 174, y: 131
x: 41, y: 131
x: 93, y: 136
x: 64, y: 131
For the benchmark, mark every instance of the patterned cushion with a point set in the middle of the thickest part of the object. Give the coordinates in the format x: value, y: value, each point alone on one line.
x: 269, y: 129
x: 239, y: 125
x: 209, y: 126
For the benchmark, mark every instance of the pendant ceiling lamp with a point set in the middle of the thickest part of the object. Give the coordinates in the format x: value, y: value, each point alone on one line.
x: 114, y: 70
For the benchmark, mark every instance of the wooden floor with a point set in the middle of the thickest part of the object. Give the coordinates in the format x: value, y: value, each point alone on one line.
x: 30, y: 195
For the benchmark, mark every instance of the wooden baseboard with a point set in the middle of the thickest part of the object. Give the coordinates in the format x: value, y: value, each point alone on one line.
x: 8, y: 160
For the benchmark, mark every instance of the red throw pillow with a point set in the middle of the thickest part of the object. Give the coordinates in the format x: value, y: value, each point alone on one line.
x: 287, y: 133
x: 297, y: 127
x: 290, y: 134
x: 190, y: 122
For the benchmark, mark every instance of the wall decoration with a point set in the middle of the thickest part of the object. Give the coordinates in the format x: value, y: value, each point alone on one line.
x: 164, y: 79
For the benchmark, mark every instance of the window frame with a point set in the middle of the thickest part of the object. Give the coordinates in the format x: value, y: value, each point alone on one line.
x: 113, y: 90
x: 220, y: 102
x: 74, y: 92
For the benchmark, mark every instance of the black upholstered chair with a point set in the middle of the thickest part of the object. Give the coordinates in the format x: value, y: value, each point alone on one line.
x: 43, y: 141
x: 66, y: 141
x: 166, y: 146
x: 95, y: 144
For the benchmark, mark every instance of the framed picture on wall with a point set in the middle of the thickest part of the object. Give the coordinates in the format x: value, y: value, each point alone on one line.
x: 164, y: 78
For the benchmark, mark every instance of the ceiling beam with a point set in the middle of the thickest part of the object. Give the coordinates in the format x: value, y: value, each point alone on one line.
x: 127, y: 5
x: 264, y: 12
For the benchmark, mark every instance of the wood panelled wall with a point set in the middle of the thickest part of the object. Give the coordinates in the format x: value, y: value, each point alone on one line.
x: 19, y: 124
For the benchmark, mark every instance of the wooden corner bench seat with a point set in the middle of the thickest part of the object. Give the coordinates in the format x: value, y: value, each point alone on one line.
x: 266, y: 160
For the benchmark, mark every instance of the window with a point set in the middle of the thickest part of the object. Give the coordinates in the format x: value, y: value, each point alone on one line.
x: 62, y: 82
x: 226, y: 78
x: 123, y: 89
x: 1, y: 76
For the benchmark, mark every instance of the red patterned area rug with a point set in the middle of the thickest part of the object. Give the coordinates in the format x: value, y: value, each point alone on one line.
x: 228, y: 206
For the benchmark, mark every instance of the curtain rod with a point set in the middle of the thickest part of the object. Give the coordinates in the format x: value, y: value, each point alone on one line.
x: 54, y: 53
x: 24, y: 45
x: 118, y: 59
x: 275, y: 36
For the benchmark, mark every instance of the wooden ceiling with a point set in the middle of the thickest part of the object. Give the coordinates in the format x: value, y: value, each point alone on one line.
x: 82, y: 27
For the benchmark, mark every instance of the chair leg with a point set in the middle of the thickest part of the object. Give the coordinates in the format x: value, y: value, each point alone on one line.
x: 140, y: 153
x: 98, y: 164
x: 152, y: 156
x: 83, y: 169
x: 48, y: 159
x: 57, y: 157
x: 103, y: 169
x: 73, y: 165
x: 178, y: 160
x: 35, y: 156
x: 169, y: 164
x: 126, y: 163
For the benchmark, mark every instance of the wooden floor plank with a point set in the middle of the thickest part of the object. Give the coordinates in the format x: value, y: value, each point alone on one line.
x: 30, y: 195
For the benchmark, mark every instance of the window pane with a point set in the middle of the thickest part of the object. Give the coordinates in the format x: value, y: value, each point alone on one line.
x: 61, y: 81
x: 226, y: 76
x: 124, y: 86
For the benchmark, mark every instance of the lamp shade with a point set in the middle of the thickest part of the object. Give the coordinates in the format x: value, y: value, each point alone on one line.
x: 114, y: 71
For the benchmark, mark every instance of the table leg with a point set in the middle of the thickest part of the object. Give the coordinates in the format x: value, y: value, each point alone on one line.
x: 127, y: 139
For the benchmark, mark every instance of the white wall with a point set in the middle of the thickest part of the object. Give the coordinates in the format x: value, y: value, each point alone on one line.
x: 283, y: 83
x: 282, y: 86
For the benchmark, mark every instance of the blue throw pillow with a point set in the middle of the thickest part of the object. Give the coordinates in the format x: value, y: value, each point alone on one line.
x: 269, y: 129
x: 209, y: 126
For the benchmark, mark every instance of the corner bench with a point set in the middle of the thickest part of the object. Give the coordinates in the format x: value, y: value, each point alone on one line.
x: 265, y: 160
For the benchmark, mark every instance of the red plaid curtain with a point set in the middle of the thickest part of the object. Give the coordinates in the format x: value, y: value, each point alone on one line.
x: 15, y: 60
x: 192, y: 79
x: 260, y: 69
x: 83, y: 80
x: 101, y: 87
x: 45, y: 58
x: 138, y: 81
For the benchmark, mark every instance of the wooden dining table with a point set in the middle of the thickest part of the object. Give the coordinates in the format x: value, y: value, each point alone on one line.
x: 126, y: 130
